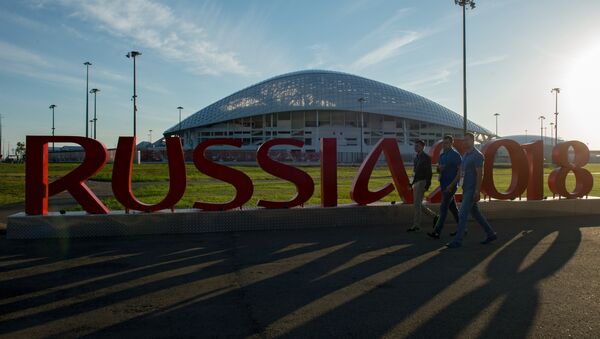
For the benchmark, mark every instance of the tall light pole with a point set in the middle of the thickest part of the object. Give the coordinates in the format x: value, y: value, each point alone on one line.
x: 551, y: 130
x: 150, y: 136
x: 52, y: 107
x: 87, y: 95
x: 361, y: 100
x: 94, y: 91
x: 179, y: 108
x: 496, y: 115
x: 555, y: 91
x: 464, y: 4
x: 542, y: 118
x: 132, y: 55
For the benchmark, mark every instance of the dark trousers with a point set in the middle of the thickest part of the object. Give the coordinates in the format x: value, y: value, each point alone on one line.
x: 448, y: 203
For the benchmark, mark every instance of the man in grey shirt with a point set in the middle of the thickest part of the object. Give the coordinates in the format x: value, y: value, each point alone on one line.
x: 420, y: 184
x: 471, y: 176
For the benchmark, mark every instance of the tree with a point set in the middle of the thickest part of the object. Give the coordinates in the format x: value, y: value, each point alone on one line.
x: 20, y: 150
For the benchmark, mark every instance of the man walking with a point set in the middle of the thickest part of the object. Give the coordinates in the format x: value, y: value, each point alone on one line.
x: 449, y: 167
x: 420, y: 184
x: 471, y: 176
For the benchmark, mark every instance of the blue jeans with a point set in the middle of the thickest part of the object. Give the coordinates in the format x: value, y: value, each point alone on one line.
x: 469, y: 206
x: 447, y: 199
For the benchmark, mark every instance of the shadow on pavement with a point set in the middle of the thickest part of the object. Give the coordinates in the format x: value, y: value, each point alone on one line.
x: 359, y: 282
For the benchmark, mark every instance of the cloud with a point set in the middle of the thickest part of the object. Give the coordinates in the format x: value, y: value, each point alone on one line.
x: 432, y: 79
x: 155, y: 26
x: 389, y: 49
x: 12, y: 53
x: 488, y: 60
x: 18, y: 60
x: 321, y: 55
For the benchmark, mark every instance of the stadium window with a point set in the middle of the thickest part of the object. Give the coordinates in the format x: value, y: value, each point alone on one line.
x: 307, y: 141
x: 257, y: 121
x: 298, y: 120
x: 283, y: 116
x: 337, y: 118
x: 267, y: 120
x: 351, y: 119
x: 324, y: 118
x: 310, y: 119
x: 376, y: 121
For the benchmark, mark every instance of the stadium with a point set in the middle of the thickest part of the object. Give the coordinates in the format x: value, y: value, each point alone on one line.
x: 313, y: 104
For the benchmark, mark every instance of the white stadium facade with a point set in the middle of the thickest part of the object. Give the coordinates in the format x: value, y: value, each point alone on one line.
x: 314, y: 104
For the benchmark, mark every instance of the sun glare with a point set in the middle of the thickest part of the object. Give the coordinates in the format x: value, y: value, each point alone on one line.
x: 583, y: 85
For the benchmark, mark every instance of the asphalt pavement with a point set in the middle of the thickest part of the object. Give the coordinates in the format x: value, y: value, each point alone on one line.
x: 540, y: 279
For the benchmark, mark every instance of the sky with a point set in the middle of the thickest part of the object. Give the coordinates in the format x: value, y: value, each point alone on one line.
x: 197, y: 52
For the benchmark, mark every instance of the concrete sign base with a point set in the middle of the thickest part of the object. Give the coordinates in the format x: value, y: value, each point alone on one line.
x: 186, y: 221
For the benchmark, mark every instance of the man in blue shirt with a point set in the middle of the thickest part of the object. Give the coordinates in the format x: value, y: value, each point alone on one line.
x: 471, y: 176
x: 449, y: 166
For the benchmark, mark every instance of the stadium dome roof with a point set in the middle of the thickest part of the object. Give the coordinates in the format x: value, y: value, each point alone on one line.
x: 324, y: 90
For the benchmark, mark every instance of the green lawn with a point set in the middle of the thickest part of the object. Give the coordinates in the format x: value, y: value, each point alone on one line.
x: 200, y: 187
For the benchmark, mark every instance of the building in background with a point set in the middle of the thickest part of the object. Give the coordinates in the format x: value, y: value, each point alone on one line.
x: 314, y: 104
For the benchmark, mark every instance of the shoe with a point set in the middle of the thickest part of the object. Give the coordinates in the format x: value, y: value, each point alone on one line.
x: 434, y: 235
x: 413, y: 229
x: 435, y: 220
x: 453, y: 245
x: 454, y: 233
x: 489, y: 239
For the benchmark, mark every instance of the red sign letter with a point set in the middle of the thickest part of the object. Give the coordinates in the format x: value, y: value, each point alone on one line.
x: 239, y: 180
x: 583, y: 178
x: 359, y: 192
x: 328, y: 172
x: 36, y: 175
x: 122, y: 168
x: 304, y: 183
x: 535, y: 160
x: 518, y: 182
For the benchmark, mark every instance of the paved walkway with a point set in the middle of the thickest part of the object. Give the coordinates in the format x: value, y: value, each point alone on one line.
x: 541, y: 279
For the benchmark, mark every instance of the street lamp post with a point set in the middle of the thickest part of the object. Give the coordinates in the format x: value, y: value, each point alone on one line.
x: 555, y: 91
x: 179, y: 108
x: 361, y: 100
x: 551, y: 130
x: 496, y: 115
x: 542, y: 118
x: 52, y: 107
x: 94, y: 91
x: 87, y: 95
x: 132, y: 55
x: 464, y: 4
